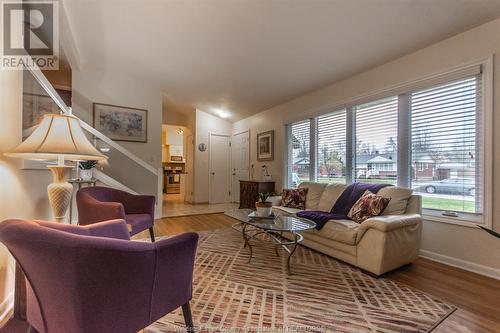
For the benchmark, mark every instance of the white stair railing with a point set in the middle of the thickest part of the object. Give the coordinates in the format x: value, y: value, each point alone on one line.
x: 101, y: 176
x: 37, y: 73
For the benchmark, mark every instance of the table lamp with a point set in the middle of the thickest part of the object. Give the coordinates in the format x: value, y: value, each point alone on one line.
x: 58, y: 138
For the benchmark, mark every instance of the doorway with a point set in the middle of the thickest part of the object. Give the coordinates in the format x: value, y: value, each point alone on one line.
x: 219, y: 178
x: 240, y: 162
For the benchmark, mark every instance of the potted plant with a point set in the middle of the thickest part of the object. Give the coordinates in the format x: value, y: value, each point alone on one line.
x: 263, y: 206
x: 86, y: 169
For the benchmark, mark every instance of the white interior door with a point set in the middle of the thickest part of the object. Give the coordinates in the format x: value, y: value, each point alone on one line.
x: 220, y: 169
x: 240, y: 162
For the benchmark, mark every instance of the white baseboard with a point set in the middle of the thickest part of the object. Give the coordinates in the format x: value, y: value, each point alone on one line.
x: 463, y: 264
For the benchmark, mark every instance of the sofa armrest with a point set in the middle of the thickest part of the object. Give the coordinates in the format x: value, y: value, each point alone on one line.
x: 391, y: 222
x: 275, y: 200
x: 116, y: 229
x: 388, y: 242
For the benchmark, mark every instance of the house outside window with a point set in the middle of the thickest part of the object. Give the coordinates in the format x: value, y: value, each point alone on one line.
x: 429, y: 138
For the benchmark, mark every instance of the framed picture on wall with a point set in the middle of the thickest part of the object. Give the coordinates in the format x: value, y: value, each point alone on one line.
x: 35, y: 106
x: 121, y: 123
x: 265, y: 146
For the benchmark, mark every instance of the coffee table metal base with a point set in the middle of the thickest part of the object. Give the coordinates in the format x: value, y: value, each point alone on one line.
x: 250, y: 232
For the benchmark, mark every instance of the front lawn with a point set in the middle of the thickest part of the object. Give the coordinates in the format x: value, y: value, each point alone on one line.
x: 448, y: 204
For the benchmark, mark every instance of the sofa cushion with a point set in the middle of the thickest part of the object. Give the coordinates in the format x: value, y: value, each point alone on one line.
x: 344, y: 231
x: 367, y: 206
x: 399, y: 199
x: 314, y: 192
x: 285, y: 210
x: 330, y: 195
x: 295, y: 198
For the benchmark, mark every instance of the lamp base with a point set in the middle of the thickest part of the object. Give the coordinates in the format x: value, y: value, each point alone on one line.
x: 60, y: 191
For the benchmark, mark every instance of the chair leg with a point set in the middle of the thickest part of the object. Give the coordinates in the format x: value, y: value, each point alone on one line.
x: 188, y: 318
x: 152, y: 234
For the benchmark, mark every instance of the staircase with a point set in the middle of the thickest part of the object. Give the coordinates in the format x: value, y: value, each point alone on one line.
x: 124, y: 170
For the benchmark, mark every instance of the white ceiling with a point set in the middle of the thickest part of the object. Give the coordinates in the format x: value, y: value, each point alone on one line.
x: 246, y: 56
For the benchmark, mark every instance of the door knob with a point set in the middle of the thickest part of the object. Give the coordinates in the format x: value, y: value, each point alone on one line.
x: 213, y: 173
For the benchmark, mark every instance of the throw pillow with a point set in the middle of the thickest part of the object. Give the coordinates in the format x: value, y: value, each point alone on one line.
x: 367, y: 206
x: 295, y: 198
x: 399, y: 199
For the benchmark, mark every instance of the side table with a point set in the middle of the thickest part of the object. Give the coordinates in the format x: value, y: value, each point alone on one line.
x: 79, y: 182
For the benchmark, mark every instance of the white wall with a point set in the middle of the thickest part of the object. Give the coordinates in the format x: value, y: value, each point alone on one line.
x: 100, y: 87
x: 479, y: 250
x: 178, y: 115
x: 172, y: 137
x: 205, y: 124
x: 23, y: 193
x: 176, y: 142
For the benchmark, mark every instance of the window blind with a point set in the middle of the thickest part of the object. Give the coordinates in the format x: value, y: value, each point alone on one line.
x: 429, y: 135
x: 331, y: 147
x: 376, y: 128
x: 446, y: 146
x: 299, y: 152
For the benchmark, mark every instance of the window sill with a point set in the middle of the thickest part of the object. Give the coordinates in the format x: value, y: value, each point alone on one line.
x: 464, y: 220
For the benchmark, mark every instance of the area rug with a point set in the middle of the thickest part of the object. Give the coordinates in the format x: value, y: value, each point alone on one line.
x: 322, y: 294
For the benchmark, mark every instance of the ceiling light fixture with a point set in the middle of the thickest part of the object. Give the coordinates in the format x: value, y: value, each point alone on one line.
x: 223, y: 114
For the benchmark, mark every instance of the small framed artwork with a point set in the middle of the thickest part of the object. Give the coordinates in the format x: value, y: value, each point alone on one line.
x: 121, y: 123
x: 265, y: 146
x: 34, y: 108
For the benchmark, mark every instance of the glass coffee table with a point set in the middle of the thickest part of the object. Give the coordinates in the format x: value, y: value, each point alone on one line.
x: 252, y: 226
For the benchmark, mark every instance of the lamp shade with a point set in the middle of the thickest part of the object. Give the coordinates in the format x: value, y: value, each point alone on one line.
x: 56, y: 136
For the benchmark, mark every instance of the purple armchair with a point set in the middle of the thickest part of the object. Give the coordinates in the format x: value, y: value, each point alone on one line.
x: 93, y: 279
x: 97, y: 204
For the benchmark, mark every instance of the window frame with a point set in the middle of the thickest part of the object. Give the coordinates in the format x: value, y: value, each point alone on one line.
x: 403, y: 92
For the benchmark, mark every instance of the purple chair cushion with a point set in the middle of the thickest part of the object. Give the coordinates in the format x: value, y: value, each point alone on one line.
x: 138, y: 222
x: 80, y: 283
x: 98, y: 203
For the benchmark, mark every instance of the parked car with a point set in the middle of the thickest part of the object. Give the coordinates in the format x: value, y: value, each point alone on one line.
x: 462, y: 186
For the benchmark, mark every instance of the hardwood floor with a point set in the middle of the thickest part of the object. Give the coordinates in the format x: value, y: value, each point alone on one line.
x: 176, y: 225
x: 174, y: 205
x: 477, y: 297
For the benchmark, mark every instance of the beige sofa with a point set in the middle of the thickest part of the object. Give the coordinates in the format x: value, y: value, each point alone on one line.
x: 379, y: 244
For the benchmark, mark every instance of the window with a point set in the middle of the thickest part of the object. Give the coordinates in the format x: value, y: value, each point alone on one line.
x: 299, y: 157
x: 445, y: 128
x: 430, y: 136
x: 376, y: 141
x: 331, y: 155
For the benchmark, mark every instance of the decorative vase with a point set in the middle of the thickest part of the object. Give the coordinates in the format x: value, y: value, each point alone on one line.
x: 264, y: 209
x: 60, y: 191
x: 86, y: 174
